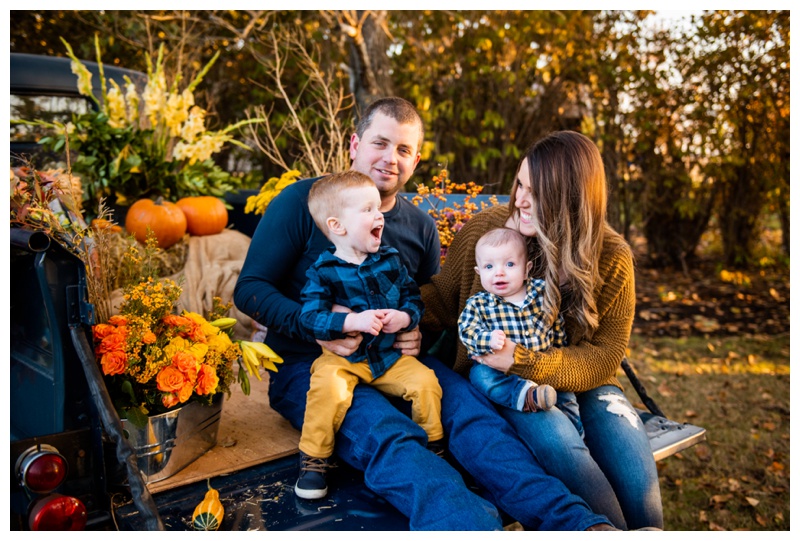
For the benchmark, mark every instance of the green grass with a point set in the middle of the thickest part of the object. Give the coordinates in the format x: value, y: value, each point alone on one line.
x: 738, y: 389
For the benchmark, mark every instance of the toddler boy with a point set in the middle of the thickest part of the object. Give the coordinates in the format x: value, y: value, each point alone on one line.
x: 370, y: 280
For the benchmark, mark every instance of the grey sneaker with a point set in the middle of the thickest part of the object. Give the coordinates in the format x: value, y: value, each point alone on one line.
x: 540, y: 398
x: 311, y: 484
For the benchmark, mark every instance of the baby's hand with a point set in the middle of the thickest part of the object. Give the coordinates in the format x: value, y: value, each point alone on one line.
x: 368, y: 321
x: 497, y: 340
x: 395, y: 320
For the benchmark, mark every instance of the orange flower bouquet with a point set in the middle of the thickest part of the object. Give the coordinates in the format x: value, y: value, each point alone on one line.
x: 155, y: 359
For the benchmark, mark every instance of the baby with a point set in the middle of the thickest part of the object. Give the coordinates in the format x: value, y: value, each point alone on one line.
x: 509, y: 309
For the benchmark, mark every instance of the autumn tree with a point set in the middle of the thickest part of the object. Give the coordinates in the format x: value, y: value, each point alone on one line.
x: 741, y: 74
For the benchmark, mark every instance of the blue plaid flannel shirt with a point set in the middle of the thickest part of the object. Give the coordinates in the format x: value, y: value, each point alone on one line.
x: 486, y: 312
x: 380, y: 281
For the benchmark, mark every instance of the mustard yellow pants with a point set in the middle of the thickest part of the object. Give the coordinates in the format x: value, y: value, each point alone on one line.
x: 333, y: 379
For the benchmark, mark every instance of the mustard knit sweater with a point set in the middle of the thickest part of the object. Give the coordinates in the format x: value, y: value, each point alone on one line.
x: 583, y: 365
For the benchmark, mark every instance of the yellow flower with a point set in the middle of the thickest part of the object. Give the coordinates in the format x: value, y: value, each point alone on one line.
x: 131, y: 99
x: 194, y: 125
x: 219, y: 342
x: 84, y: 78
x: 176, y: 112
x: 179, y: 344
x: 154, y: 97
x: 115, y: 105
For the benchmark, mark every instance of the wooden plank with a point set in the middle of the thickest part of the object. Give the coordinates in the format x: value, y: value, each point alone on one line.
x: 250, y: 433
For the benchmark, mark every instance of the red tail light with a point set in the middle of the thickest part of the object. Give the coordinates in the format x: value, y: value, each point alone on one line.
x: 41, y: 468
x: 58, y: 513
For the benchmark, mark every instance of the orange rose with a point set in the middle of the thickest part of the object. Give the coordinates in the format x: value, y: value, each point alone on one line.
x: 207, y: 380
x: 114, y: 363
x: 176, y: 321
x: 112, y: 342
x: 186, y: 392
x: 149, y: 337
x: 194, y: 332
x: 169, y: 400
x: 101, y: 330
x: 170, y: 380
x: 118, y: 320
x: 185, y: 362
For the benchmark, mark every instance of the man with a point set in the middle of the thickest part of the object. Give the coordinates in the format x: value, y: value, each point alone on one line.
x: 376, y: 437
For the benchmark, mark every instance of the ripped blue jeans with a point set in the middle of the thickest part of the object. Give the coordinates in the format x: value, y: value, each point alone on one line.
x: 596, y: 444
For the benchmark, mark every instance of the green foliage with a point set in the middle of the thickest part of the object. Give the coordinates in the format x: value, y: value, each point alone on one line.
x: 692, y: 122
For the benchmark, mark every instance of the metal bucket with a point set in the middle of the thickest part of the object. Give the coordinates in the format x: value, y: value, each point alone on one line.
x: 173, y: 440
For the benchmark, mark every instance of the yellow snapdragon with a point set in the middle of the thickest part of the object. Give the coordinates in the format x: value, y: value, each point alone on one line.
x: 194, y: 125
x: 115, y: 107
x: 131, y: 99
x: 154, y: 97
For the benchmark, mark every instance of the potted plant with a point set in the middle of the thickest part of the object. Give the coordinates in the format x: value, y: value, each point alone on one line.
x: 144, y: 142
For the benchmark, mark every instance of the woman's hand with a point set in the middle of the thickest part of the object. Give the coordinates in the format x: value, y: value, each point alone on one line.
x: 502, y: 359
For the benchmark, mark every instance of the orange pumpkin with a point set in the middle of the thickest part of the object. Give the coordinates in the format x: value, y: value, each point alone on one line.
x: 205, y: 214
x: 166, y: 220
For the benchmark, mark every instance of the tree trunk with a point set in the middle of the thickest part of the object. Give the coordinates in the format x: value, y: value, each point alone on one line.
x: 370, y: 70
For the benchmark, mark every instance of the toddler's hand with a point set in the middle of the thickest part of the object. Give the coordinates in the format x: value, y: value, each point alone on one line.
x: 394, y: 320
x: 368, y: 321
x: 498, y: 340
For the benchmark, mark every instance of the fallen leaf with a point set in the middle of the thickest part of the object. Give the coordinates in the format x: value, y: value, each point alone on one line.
x: 761, y: 520
x: 703, y: 452
x: 716, y: 527
x: 751, y: 501
x: 777, y: 467
x: 720, y: 499
x: 775, y: 295
x: 664, y: 391
x: 704, y: 324
x: 702, y: 516
x: 647, y: 315
x: 711, y: 347
x: 690, y: 413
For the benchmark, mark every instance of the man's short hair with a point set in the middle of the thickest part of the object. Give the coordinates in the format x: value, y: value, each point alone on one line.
x: 501, y: 236
x: 397, y: 108
x: 327, y: 195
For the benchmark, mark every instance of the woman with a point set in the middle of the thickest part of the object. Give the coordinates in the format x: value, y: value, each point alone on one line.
x: 594, y: 441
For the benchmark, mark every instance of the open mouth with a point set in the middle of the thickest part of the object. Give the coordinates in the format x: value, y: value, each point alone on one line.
x: 376, y: 233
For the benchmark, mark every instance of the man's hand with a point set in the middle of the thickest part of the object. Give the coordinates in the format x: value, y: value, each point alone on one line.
x: 501, y: 359
x: 497, y: 340
x: 343, y: 346
x: 369, y: 321
x: 394, y: 320
x: 409, y: 342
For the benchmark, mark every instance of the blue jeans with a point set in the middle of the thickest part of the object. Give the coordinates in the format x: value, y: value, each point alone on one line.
x: 597, y: 445
x: 389, y: 448
x: 508, y: 390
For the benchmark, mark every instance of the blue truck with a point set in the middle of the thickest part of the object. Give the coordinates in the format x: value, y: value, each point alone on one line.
x: 72, y: 468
